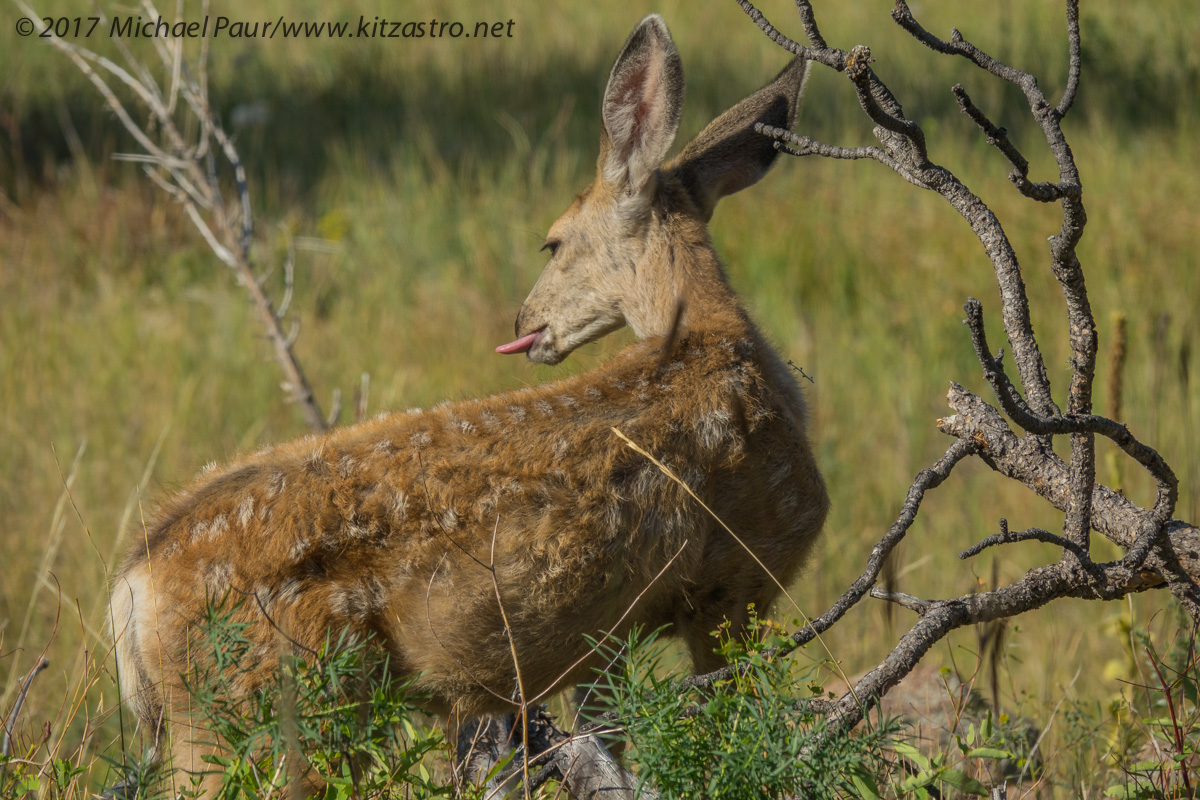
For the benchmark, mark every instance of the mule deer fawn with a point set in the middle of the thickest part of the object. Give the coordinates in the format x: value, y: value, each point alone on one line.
x: 409, y: 527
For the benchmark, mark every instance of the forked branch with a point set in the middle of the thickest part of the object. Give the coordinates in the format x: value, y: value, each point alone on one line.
x: 1159, y: 551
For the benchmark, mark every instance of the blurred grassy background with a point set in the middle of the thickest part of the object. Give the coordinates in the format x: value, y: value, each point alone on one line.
x: 418, y: 178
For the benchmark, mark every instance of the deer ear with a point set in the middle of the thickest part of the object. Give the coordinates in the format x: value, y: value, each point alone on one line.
x: 642, y: 104
x: 729, y: 155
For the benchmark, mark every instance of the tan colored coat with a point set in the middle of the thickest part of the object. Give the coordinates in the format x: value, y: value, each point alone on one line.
x: 395, y: 527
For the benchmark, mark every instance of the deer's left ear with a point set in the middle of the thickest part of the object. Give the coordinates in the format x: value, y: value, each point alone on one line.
x: 642, y: 105
x: 729, y: 155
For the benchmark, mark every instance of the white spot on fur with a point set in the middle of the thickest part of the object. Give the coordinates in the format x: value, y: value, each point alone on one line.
x: 487, y: 506
x: 375, y: 593
x: 414, y: 410
x: 594, y: 394
x: 610, y: 518
x: 339, y: 602
x: 355, y: 532
x: 299, y: 548
x: 420, y: 439
x: 207, y: 530
x: 217, y: 577
x: 544, y: 408
x: 712, y: 427
x: 649, y: 478
x: 466, y: 426
x: 245, y: 510
x: 567, y: 401
x: 399, y: 506
x: 518, y: 413
x: 276, y: 483
x: 289, y: 593
x: 364, y: 597
x: 490, y: 420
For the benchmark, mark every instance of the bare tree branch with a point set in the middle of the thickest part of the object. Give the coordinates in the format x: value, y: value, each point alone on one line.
x: 927, y: 479
x: 998, y: 137
x: 1175, y: 560
x: 10, y: 721
x: 938, y: 618
x: 1159, y: 550
x: 187, y: 171
x: 1028, y: 535
x: 910, y: 152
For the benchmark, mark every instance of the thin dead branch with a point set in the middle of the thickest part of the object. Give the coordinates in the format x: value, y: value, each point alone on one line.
x: 10, y: 722
x: 189, y: 169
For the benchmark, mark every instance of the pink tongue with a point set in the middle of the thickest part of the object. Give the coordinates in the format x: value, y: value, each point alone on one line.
x: 521, y: 345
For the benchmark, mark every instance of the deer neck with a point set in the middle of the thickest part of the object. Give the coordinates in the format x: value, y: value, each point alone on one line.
x: 682, y: 269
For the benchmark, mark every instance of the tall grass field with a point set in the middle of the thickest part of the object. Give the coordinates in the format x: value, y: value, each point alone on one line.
x: 415, y: 178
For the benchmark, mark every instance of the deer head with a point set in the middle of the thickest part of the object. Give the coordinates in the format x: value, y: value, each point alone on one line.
x: 633, y: 248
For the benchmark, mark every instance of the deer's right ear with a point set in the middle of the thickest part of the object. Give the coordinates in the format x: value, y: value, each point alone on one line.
x: 642, y: 105
x: 729, y: 155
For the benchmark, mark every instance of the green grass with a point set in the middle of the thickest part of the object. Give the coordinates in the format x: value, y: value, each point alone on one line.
x: 431, y: 170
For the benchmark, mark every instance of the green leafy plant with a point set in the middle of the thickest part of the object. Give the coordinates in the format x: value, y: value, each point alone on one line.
x: 335, y: 717
x: 18, y: 778
x: 930, y: 773
x: 1167, y: 764
x: 748, y: 735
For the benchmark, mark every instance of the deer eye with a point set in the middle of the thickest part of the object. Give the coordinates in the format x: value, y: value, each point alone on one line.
x: 552, y: 246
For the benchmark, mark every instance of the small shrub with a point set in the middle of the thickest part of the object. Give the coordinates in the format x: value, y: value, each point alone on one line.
x: 1167, y: 762
x: 335, y: 717
x: 748, y: 736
